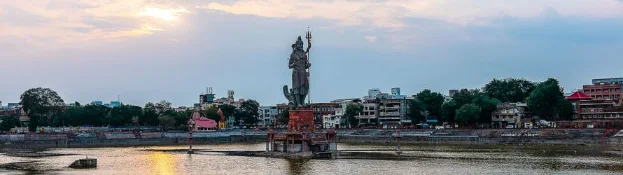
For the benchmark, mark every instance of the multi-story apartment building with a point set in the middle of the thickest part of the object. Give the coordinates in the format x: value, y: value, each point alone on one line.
x: 267, y: 115
x: 513, y: 115
x: 605, y: 89
x: 393, y: 112
x: 321, y: 109
x: 596, y: 112
x: 370, y: 113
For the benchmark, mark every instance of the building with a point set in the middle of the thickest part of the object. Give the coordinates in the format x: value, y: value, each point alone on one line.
x: 373, y: 93
x: 451, y: 92
x: 608, y: 80
x: 511, y: 115
x: 592, y: 112
x: 601, y: 89
x: 369, y: 115
x: 268, y: 115
x: 321, y: 109
x: 201, y: 124
x: 115, y: 104
x: 332, y: 121
x: 97, y: 103
x: 12, y: 105
x: 393, y: 112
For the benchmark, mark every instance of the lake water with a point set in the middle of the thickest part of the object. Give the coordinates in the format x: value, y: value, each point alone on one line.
x: 370, y: 159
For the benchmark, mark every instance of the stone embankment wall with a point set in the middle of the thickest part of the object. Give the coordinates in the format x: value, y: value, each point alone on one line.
x: 480, y: 136
x: 489, y: 136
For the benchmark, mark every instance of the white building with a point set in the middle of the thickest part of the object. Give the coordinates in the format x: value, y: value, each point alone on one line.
x: 332, y: 121
x: 268, y: 115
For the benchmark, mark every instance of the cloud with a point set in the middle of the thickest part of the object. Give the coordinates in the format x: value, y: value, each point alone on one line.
x: 390, y: 14
x: 371, y: 39
x: 69, y: 23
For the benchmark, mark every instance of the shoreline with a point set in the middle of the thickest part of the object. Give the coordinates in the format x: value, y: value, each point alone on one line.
x: 362, y: 136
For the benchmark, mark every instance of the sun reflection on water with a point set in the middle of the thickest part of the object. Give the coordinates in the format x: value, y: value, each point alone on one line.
x: 162, y: 163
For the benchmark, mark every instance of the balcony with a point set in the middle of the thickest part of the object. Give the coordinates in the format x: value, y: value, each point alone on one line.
x: 389, y: 114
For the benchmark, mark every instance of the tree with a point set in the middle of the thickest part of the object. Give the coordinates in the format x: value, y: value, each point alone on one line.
x: 212, y: 113
x: 40, y: 103
x: 8, y: 122
x: 467, y: 114
x: 122, y: 115
x: 509, y: 90
x: 565, y: 110
x: 166, y: 121
x: 487, y: 106
x: 416, y: 112
x: 464, y: 96
x: 449, y: 110
x: 150, y: 115
x: 95, y: 115
x: 351, y: 113
x: 432, y: 101
x: 73, y: 116
x: 162, y: 106
x: 248, y: 112
x: 544, y: 100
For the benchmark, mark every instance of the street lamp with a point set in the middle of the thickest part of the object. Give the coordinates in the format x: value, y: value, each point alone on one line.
x: 191, y: 126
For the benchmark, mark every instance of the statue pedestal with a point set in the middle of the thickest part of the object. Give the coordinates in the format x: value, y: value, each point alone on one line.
x: 301, y: 120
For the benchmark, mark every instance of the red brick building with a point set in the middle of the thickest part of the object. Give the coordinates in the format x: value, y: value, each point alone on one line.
x: 604, y: 89
x: 597, y: 112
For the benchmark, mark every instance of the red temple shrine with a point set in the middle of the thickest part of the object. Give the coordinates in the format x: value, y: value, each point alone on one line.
x: 301, y: 136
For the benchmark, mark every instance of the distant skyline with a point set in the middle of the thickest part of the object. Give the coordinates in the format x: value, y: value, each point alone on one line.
x: 152, y: 50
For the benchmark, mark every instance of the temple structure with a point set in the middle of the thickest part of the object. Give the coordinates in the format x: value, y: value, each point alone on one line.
x: 201, y: 124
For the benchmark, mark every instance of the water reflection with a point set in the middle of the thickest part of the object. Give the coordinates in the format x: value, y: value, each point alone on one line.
x: 298, y: 166
x: 162, y: 163
x: 426, y: 159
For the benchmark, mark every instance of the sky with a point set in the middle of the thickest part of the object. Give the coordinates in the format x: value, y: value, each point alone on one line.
x: 151, y: 50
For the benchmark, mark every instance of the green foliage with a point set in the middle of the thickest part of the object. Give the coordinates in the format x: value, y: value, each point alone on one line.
x: 73, y: 116
x: 162, y: 106
x: 248, y: 112
x: 468, y: 113
x: 416, y: 112
x: 565, y: 110
x: 449, y: 110
x: 122, y: 115
x: 432, y: 102
x: 166, y: 121
x: 544, y: 100
x: 228, y: 110
x: 352, y: 111
x: 8, y: 122
x: 487, y: 106
x: 150, y: 115
x: 95, y: 115
x: 485, y: 103
x: 40, y: 104
x: 509, y: 90
x: 464, y: 96
x: 212, y: 113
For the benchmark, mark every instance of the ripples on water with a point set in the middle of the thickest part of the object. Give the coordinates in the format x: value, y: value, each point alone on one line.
x: 429, y: 159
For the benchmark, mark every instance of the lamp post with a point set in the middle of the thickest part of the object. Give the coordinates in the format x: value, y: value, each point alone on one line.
x: 191, y: 126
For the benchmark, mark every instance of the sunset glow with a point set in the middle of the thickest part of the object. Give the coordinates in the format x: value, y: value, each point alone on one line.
x: 163, y: 14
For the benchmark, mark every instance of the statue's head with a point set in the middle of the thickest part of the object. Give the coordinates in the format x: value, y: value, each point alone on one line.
x: 299, y: 43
